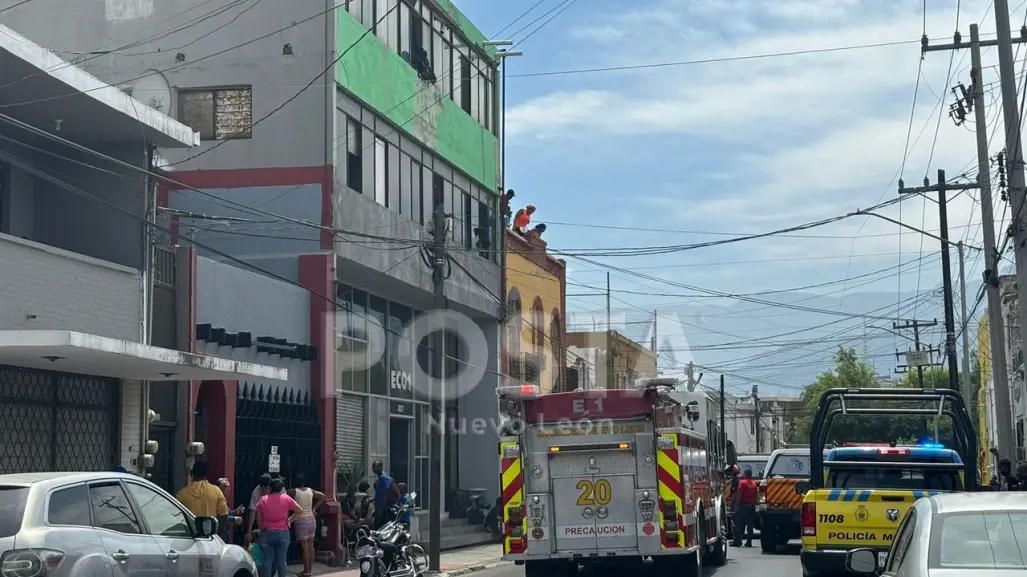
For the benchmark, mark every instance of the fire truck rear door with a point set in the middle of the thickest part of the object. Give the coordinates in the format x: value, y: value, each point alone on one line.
x: 573, y: 517
x: 613, y: 490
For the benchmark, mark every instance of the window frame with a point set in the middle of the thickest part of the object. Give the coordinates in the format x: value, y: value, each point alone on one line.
x: 140, y: 522
x: 214, y: 90
x: 89, y: 508
x: 190, y: 521
x: 354, y: 160
x: 381, y: 171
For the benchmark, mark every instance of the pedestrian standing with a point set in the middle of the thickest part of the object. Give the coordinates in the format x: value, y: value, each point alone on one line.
x: 259, y: 491
x: 386, y: 494
x: 306, y: 523
x: 202, y: 498
x: 276, y: 512
x: 745, y: 517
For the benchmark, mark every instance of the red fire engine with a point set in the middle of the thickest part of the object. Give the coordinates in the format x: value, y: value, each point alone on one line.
x: 606, y: 474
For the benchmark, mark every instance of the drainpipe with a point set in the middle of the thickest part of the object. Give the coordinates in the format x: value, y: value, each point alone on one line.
x: 149, y: 258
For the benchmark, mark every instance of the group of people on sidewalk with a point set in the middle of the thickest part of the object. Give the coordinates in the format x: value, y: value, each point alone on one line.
x: 272, y: 514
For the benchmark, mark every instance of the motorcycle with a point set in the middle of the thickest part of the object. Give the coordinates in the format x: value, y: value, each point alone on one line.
x: 388, y: 552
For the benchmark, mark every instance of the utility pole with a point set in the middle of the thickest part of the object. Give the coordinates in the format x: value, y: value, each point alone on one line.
x: 756, y: 412
x: 967, y: 385
x: 1014, y: 151
x: 946, y: 281
x: 917, y: 360
x: 610, y: 384
x: 1000, y: 369
x: 439, y: 258
x: 656, y: 342
x: 723, y: 424
x: 942, y: 188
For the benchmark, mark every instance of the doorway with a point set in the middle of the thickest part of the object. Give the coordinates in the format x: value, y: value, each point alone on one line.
x: 400, y: 455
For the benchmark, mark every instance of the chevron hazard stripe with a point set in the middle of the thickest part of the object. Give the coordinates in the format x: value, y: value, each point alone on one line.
x: 515, y: 519
x: 781, y: 494
x: 670, y: 490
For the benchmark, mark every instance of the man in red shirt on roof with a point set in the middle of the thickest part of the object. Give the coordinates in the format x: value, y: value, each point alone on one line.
x: 745, y: 517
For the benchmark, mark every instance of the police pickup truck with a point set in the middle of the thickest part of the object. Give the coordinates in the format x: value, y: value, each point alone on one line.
x: 858, y: 495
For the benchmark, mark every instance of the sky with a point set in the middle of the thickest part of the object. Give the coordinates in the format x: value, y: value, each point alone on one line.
x: 690, y: 153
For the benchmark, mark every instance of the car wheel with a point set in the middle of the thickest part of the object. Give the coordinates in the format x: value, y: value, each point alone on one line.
x: 768, y: 539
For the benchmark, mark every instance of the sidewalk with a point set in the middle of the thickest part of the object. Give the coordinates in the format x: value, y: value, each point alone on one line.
x: 453, y: 563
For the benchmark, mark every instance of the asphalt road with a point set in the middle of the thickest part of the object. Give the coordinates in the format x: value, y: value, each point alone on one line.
x: 742, y: 562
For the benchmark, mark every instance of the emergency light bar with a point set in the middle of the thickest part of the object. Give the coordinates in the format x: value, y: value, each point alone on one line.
x: 607, y: 446
x: 893, y: 452
x: 519, y: 392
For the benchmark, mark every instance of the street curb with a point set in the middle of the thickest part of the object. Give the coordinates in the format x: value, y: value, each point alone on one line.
x: 472, y: 569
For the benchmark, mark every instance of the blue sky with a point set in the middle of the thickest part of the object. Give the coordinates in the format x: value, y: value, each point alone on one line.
x: 741, y: 147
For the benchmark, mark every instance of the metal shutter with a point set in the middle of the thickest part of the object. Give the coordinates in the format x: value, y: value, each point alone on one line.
x: 350, y: 428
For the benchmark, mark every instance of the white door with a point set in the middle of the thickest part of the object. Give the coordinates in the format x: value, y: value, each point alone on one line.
x: 132, y: 552
x: 172, y: 527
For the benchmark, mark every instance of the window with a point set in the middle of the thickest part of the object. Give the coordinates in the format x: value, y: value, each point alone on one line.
x: 112, y: 510
x: 380, y: 172
x: 459, y: 49
x: 354, y: 155
x: 465, y: 83
x: 554, y: 341
x: 468, y: 221
x: 354, y: 8
x: 483, y: 232
x: 538, y: 326
x: 513, y: 331
x: 406, y: 25
x: 217, y: 113
x: 379, y: 351
x: 400, y: 359
x: 391, y: 182
x: 439, y: 44
x: 12, y: 509
x: 427, y: 194
x: 487, y: 113
x: 416, y: 198
x: 391, y: 24
x: 163, y: 517
x: 381, y: 8
x: 790, y: 466
x: 475, y: 82
x: 351, y: 339
x: 979, y: 540
x: 69, y: 507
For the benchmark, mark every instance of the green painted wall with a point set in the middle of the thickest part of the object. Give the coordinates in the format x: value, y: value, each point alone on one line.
x: 379, y: 77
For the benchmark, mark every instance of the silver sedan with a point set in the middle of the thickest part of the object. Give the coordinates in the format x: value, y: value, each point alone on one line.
x: 107, y: 525
x: 955, y: 535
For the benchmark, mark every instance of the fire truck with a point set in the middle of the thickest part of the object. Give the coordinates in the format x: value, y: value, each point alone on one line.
x: 607, y: 475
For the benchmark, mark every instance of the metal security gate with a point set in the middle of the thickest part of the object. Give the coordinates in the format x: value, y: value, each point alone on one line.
x: 267, y: 417
x: 350, y: 429
x: 57, y: 421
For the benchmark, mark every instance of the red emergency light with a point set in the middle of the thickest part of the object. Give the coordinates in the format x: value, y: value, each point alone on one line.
x: 856, y: 444
x: 891, y: 451
x: 519, y: 392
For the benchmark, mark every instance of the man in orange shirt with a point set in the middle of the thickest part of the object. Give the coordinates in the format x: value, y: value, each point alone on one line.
x: 745, y: 516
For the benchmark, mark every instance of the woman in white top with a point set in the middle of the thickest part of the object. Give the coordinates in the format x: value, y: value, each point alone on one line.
x: 305, y: 523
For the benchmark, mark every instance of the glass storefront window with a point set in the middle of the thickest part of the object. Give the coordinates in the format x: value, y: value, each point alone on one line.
x: 351, y: 340
x: 379, y: 377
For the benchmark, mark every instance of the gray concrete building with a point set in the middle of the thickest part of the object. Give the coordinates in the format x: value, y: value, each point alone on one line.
x: 330, y: 186
x: 89, y: 370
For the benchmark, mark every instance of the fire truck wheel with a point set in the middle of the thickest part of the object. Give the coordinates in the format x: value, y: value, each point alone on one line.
x: 768, y: 539
x: 718, y: 557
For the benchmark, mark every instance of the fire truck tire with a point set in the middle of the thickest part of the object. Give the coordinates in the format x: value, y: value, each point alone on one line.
x: 718, y: 557
x: 768, y: 539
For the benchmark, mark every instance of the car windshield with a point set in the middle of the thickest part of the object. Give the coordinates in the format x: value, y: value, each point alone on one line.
x: 898, y: 479
x: 12, y: 509
x: 789, y: 466
x: 755, y: 466
x: 979, y: 540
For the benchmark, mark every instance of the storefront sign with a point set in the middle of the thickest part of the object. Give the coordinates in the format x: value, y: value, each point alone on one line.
x: 401, y: 408
x: 402, y: 381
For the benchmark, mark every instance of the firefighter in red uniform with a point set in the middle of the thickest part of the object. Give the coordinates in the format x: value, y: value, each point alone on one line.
x: 745, y: 515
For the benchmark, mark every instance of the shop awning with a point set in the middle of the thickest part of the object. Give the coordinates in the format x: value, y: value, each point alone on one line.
x: 72, y: 352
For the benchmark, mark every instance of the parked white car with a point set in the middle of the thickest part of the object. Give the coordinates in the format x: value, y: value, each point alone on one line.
x: 107, y: 524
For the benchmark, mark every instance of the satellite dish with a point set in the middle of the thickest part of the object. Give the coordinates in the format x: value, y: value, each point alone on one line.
x: 153, y: 90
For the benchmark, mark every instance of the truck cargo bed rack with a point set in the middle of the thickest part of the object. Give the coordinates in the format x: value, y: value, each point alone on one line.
x: 948, y: 403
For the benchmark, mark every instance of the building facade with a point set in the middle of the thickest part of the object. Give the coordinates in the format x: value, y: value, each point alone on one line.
x: 1015, y: 370
x: 328, y: 132
x: 90, y: 369
x: 534, y: 339
x: 591, y: 351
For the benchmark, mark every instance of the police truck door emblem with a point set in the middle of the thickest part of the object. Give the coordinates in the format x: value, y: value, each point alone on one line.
x: 647, y: 507
x: 538, y: 533
x: 893, y: 515
x: 862, y: 514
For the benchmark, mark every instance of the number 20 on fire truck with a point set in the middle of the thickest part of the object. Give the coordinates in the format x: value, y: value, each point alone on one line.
x: 607, y: 474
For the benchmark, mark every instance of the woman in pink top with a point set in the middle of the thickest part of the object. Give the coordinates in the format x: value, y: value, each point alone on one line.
x: 275, y: 513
